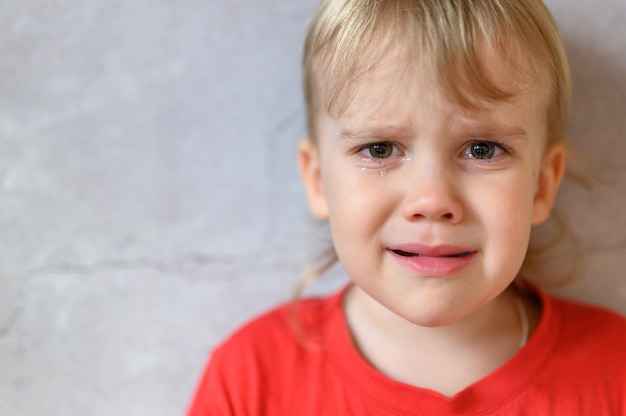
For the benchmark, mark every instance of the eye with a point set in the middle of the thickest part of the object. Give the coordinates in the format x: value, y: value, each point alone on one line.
x: 482, y: 150
x: 380, y: 150
x: 379, y: 155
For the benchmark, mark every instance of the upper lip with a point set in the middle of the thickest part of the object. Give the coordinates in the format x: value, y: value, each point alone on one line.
x: 430, y: 251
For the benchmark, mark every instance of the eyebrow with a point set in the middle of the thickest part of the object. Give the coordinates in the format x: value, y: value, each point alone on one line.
x: 381, y: 132
x: 392, y: 131
x: 492, y: 129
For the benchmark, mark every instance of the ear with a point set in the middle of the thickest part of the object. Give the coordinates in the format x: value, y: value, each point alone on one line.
x: 550, y: 176
x: 310, y: 171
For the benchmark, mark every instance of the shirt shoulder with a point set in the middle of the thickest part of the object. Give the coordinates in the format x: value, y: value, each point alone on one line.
x: 585, y: 370
x: 254, y: 369
x: 288, y: 326
x: 591, y: 325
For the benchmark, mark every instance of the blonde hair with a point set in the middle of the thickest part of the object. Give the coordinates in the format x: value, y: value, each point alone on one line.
x: 348, y: 37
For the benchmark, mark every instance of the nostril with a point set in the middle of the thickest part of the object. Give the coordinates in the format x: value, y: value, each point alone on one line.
x: 433, y: 205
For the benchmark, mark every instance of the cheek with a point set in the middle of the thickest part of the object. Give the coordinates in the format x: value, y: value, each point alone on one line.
x: 359, y: 205
x: 505, y: 216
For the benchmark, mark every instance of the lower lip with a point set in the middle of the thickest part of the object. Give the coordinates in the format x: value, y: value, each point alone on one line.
x: 433, y: 266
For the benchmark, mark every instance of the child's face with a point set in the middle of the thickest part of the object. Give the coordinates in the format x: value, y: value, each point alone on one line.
x: 431, y: 204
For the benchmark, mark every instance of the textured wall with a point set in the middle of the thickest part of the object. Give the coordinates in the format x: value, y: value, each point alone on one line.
x: 149, y: 199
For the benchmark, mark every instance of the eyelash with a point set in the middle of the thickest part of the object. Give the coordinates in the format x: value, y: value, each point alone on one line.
x: 377, y: 163
x: 499, y: 150
x: 398, y: 155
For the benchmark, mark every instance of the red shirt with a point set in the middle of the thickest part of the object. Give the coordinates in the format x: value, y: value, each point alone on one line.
x: 574, y: 364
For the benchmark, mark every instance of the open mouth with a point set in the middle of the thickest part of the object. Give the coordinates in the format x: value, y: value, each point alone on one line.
x: 455, y: 255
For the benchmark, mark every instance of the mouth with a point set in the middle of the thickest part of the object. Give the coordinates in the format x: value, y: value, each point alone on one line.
x: 453, y: 255
x: 425, y: 260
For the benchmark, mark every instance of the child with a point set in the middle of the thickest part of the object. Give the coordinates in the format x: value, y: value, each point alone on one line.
x: 436, y: 143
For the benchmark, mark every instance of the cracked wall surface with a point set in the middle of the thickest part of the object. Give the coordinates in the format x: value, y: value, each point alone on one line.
x: 149, y: 197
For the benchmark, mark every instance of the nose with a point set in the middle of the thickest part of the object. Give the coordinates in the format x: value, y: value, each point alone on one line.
x: 431, y: 196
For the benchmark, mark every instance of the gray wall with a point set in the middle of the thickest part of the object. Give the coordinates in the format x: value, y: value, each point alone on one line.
x: 149, y: 199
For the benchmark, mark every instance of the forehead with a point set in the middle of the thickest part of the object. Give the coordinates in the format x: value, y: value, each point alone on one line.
x: 385, y: 76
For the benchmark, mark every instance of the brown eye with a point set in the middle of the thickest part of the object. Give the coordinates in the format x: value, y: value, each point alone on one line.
x: 482, y: 150
x: 380, y: 150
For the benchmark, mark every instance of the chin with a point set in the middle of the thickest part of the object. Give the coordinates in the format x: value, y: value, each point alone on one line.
x: 433, y: 319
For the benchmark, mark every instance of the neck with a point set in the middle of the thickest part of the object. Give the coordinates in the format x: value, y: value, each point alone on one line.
x: 444, y: 358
